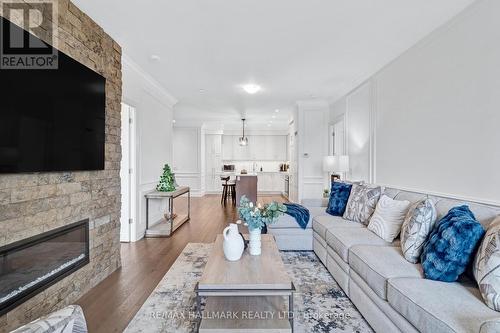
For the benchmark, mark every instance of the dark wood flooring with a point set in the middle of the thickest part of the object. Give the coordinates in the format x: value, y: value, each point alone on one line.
x: 112, y: 304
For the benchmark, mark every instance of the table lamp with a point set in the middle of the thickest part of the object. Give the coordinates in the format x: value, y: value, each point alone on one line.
x: 337, y: 164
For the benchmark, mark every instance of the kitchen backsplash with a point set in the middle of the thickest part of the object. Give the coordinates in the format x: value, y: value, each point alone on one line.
x: 267, y: 166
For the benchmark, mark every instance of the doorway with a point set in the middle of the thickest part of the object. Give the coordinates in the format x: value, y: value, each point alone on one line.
x: 127, y: 173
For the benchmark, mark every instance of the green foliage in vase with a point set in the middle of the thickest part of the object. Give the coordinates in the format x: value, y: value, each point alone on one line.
x: 258, y: 216
x: 166, y: 183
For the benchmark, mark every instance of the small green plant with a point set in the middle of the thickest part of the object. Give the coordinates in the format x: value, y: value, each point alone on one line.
x: 166, y: 183
x: 258, y: 216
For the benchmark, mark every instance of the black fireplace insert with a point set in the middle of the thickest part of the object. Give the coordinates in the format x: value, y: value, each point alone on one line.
x: 31, y: 265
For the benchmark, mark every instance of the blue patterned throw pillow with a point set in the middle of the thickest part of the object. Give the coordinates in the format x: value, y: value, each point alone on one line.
x: 451, y: 244
x: 339, y: 196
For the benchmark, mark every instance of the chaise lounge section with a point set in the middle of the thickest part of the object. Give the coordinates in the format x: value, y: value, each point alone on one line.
x: 389, y: 291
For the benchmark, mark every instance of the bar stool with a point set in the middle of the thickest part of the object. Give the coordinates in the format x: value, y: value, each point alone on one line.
x: 228, y: 190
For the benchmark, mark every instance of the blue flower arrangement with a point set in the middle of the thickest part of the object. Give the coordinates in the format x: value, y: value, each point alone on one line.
x: 259, y: 216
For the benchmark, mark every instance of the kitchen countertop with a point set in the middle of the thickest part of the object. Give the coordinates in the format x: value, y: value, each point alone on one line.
x: 253, y: 173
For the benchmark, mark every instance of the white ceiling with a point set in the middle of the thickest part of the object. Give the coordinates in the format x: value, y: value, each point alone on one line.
x: 294, y: 49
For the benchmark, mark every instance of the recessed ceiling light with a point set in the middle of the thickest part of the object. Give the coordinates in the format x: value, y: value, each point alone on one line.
x: 202, y: 90
x: 277, y: 110
x: 273, y: 117
x: 155, y: 57
x: 174, y: 121
x: 251, y: 88
x: 268, y: 125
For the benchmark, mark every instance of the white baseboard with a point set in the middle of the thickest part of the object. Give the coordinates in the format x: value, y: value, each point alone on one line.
x: 197, y: 193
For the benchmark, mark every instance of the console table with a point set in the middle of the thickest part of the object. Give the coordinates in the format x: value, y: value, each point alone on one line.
x: 166, y: 227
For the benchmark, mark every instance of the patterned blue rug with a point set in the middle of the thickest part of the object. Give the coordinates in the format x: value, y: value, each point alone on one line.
x: 320, y: 304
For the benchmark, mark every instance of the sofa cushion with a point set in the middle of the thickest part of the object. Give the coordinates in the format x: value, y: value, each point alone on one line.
x: 434, y: 306
x: 323, y: 223
x: 287, y: 221
x: 342, y: 239
x: 388, y: 217
x: 450, y: 246
x: 487, y: 266
x: 339, y: 195
x: 417, y: 226
x: 361, y: 294
x: 362, y: 203
x: 376, y: 264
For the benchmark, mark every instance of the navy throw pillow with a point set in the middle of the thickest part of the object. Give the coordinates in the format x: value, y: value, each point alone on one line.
x: 339, y: 195
x: 451, y: 245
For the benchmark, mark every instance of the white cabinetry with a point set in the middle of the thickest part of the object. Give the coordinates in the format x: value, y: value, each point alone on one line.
x: 213, y: 171
x: 260, y: 148
x: 227, y: 147
x: 272, y: 182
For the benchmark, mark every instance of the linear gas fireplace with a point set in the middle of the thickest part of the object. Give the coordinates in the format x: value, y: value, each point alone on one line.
x: 31, y: 265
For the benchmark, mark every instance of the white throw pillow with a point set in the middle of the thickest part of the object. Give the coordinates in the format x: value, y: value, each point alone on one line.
x: 486, y: 266
x: 388, y: 217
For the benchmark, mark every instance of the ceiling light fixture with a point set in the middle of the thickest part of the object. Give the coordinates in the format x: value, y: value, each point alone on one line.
x: 155, y: 57
x: 277, y: 110
x: 274, y: 117
x: 243, y: 140
x: 251, y: 88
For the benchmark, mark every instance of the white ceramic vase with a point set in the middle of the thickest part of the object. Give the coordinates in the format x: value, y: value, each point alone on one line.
x: 233, y: 244
x: 255, y: 242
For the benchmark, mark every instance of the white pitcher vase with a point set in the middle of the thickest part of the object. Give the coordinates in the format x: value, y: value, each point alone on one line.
x: 255, y: 241
x: 233, y: 244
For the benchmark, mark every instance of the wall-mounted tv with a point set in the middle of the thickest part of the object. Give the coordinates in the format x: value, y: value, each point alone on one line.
x: 51, y: 119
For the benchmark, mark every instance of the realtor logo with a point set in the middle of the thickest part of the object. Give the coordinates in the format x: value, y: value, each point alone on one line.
x: 28, y: 34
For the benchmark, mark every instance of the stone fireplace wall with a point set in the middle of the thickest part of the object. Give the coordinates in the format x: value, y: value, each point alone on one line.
x: 34, y: 203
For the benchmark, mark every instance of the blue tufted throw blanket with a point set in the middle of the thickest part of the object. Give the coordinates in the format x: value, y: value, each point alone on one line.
x: 300, y: 213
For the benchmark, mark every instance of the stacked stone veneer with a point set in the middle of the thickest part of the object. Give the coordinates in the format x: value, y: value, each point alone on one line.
x: 34, y: 203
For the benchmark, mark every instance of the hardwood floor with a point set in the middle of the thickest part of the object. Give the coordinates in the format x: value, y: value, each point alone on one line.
x: 111, y: 305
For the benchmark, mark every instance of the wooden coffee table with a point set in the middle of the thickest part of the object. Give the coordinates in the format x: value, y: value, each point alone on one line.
x: 248, y: 295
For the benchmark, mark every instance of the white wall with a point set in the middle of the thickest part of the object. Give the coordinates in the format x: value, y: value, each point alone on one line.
x: 154, y: 112
x: 188, y: 149
x: 294, y: 156
x: 338, y: 108
x: 359, y: 133
x: 436, y: 111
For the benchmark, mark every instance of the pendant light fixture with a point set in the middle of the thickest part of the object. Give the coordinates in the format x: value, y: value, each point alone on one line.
x: 243, y: 140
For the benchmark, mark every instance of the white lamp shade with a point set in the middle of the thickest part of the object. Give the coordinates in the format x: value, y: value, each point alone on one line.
x: 336, y: 163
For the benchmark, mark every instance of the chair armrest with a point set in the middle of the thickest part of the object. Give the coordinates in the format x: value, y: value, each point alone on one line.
x: 315, y: 202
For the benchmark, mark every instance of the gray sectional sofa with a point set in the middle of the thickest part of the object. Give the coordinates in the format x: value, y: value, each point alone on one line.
x: 389, y: 291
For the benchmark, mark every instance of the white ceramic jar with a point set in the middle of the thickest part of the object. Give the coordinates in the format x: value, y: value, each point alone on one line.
x: 233, y: 244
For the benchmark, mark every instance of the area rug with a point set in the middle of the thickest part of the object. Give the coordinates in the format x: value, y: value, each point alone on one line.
x: 320, y: 304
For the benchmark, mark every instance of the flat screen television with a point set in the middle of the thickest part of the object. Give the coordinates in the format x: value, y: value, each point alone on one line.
x: 51, y: 119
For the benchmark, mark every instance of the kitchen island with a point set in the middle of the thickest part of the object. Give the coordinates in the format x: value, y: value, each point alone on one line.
x: 246, y: 185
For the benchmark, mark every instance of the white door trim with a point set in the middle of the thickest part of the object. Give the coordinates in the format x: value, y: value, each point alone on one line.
x: 128, y: 221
